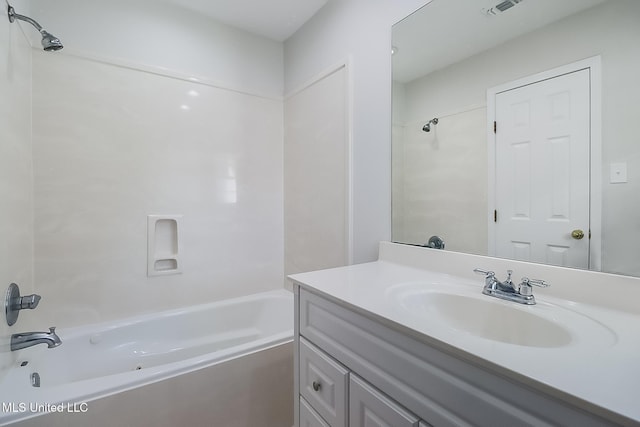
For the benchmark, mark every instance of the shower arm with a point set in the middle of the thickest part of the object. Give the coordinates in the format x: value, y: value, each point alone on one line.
x: 13, y: 16
x: 49, y: 41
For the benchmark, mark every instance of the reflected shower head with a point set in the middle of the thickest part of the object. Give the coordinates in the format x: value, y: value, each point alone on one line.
x: 427, y: 127
x: 49, y: 41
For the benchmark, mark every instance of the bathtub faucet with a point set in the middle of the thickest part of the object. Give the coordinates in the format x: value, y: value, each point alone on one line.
x: 29, y: 339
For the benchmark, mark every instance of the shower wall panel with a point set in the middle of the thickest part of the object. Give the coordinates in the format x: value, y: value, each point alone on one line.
x: 113, y: 145
x: 16, y: 182
x: 316, y: 176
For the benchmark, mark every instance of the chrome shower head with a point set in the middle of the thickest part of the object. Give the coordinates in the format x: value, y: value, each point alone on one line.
x: 427, y: 127
x: 49, y: 41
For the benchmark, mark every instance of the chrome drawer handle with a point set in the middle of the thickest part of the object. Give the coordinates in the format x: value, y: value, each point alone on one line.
x: 316, y: 385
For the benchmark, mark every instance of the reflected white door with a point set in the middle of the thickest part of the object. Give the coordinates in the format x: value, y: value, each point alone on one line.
x: 542, y: 171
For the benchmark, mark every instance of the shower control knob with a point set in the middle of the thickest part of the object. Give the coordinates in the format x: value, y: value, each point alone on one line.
x: 14, y: 302
x: 316, y: 385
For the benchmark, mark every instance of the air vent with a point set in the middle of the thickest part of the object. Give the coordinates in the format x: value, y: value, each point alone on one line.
x: 500, y: 7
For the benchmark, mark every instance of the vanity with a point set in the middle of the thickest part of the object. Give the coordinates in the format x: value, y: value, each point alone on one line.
x: 510, y: 143
x: 410, y: 340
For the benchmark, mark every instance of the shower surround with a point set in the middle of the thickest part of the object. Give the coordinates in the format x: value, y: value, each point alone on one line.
x: 113, y: 144
x: 95, y: 144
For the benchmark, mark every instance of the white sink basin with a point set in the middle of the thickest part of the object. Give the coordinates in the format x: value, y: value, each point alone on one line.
x: 497, y: 322
x: 463, y: 311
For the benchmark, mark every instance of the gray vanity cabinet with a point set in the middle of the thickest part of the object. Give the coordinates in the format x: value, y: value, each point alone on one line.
x: 369, y: 407
x: 355, y: 369
x: 332, y: 396
x: 323, y: 384
x: 309, y: 417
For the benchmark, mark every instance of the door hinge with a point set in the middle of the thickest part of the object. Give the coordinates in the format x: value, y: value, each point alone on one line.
x: 589, y: 234
x: 495, y: 127
x: 495, y: 216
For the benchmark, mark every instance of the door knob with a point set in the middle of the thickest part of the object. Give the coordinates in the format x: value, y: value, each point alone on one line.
x: 577, y: 234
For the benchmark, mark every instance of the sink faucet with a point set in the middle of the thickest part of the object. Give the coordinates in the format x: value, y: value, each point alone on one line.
x: 521, y: 293
x: 28, y: 339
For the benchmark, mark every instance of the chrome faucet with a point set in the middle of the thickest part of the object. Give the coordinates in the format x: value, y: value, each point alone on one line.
x: 521, y: 293
x: 29, y: 339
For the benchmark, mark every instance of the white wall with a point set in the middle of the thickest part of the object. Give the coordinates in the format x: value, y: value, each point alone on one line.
x: 16, y: 182
x: 610, y: 30
x: 359, y: 31
x: 166, y: 36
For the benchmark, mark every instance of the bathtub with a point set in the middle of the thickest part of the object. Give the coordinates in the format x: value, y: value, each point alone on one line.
x: 227, y: 363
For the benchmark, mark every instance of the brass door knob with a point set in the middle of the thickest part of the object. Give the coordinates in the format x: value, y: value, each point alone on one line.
x: 577, y: 234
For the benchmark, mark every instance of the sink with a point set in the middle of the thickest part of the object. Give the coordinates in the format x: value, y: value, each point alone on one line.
x: 463, y: 311
x: 497, y: 322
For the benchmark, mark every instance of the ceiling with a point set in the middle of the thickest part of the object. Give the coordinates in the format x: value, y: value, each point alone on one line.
x: 273, y: 19
x: 445, y: 31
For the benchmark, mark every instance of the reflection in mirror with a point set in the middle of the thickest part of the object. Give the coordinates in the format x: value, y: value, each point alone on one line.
x: 559, y: 180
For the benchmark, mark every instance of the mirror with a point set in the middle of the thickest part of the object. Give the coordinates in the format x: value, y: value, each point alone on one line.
x: 456, y: 61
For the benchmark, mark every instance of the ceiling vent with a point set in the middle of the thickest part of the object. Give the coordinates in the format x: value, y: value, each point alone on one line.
x: 500, y: 7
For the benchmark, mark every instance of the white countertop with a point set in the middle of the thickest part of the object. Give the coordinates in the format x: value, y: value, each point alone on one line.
x: 600, y: 366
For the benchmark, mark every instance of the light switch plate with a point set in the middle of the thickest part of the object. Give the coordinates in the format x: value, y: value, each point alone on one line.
x: 618, y: 173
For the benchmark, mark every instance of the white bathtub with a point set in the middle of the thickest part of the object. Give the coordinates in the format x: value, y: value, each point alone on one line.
x: 98, y: 361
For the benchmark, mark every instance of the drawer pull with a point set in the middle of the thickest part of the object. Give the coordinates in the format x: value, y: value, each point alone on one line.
x: 316, y: 385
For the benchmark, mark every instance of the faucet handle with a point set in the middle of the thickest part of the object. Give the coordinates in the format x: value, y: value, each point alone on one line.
x: 487, y: 273
x: 535, y: 282
x: 14, y: 302
x: 28, y: 301
x: 525, y: 286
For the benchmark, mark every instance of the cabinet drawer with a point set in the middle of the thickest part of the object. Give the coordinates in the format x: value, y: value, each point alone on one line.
x: 324, y: 384
x: 309, y: 417
x: 368, y: 407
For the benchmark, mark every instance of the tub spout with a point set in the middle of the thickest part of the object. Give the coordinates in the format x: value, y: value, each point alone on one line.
x: 29, y: 339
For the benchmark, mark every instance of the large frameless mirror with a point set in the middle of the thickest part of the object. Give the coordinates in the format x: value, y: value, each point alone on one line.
x: 514, y: 130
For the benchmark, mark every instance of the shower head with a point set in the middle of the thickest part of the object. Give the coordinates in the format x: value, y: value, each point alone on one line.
x: 49, y: 41
x: 427, y: 127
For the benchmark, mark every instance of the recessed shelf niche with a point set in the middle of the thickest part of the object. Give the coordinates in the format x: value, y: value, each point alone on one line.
x: 163, y: 245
